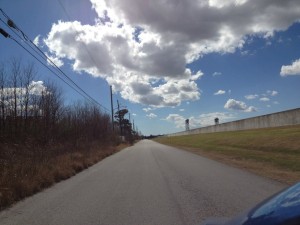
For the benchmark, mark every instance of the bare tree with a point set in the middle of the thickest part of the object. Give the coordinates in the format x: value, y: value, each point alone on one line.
x: 36, y: 112
x: 2, y: 96
x: 29, y: 74
x: 15, y: 77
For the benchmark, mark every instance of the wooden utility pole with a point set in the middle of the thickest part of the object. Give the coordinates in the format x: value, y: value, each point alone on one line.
x: 112, y: 108
x: 120, y: 122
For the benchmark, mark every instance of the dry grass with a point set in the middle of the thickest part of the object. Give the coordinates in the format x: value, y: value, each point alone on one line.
x: 24, y: 172
x: 272, y: 152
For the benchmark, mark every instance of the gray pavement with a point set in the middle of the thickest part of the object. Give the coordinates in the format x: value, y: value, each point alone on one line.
x: 148, y: 183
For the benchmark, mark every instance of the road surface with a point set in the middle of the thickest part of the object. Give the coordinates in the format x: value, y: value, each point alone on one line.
x: 148, y: 183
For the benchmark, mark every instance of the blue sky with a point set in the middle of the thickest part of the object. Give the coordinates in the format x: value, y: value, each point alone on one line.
x: 169, y: 60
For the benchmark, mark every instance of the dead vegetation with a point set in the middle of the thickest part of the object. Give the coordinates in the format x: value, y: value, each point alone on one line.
x: 42, y: 140
x: 26, y: 170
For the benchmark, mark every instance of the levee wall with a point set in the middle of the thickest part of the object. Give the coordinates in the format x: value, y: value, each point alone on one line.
x: 285, y: 118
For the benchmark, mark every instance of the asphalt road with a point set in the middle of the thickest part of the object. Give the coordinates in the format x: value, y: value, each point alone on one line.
x: 148, y: 183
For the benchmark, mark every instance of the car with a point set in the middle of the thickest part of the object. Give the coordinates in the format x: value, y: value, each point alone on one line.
x: 282, y: 208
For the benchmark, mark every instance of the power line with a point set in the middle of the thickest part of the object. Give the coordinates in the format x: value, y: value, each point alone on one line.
x: 69, y: 18
x: 10, y: 24
x: 46, y: 66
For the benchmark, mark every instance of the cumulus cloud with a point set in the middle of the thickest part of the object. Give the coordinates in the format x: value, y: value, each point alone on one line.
x: 17, y: 95
x: 233, y: 104
x: 36, y: 40
x: 177, y: 119
x: 220, y: 92
x: 293, y: 69
x: 151, y: 115
x: 143, y: 49
x: 34, y: 88
x: 250, y: 97
x: 111, y: 52
x: 147, y: 109
x: 57, y: 61
x: 272, y: 93
x: 201, y: 120
x: 37, y: 88
x: 264, y: 99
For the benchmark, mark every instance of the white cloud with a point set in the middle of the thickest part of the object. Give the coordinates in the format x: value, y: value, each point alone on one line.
x: 233, y: 104
x: 293, y: 69
x: 143, y: 48
x: 181, y: 110
x: 228, y: 3
x: 197, y: 76
x: 57, y: 61
x: 264, y: 99
x: 217, y: 74
x: 220, y: 92
x: 272, y: 93
x: 151, y: 115
x: 201, y: 120
x: 37, y: 88
x: 36, y: 40
x: 264, y: 96
x: 17, y: 95
x: 132, y: 68
x: 177, y: 119
x: 250, y: 97
x: 147, y: 109
x: 34, y: 88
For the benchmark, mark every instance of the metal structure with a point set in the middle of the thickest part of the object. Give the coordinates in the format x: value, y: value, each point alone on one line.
x: 216, y: 121
x: 187, y: 124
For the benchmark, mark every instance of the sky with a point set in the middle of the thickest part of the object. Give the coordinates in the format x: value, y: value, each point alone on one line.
x: 168, y: 60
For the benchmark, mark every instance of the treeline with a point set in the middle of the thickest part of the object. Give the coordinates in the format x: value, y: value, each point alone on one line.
x: 35, y: 111
x: 42, y: 140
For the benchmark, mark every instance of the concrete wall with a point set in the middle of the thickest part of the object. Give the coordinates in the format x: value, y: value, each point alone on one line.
x: 285, y: 118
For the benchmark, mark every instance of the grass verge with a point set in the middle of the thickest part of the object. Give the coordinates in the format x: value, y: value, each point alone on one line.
x: 24, y: 172
x: 271, y: 152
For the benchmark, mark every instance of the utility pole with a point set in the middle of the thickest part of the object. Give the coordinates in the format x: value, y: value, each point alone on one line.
x: 112, y: 109
x: 133, y: 124
x: 120, y: 122
x: 130, y: 124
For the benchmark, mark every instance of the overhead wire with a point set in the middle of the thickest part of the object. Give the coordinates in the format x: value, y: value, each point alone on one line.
x: 41, y: 54
x: 77, y: 32
x: 69, y: 18
x: 55, y: 66
x: 45, y: 65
